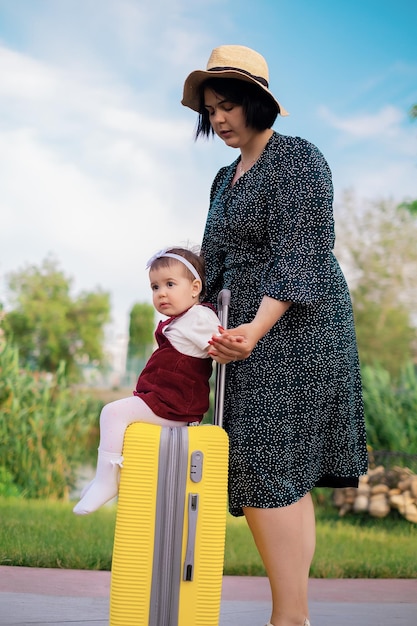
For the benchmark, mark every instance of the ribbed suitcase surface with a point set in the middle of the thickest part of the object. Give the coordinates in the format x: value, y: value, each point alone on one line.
x: 170, y: 527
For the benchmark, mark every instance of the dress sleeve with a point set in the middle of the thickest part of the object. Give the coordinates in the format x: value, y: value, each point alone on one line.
x: 191, y: 332
x: 300, y: 224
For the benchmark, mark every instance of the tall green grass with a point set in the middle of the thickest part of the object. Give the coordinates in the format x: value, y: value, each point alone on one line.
x: 47, y: 534
x: 45, y: 429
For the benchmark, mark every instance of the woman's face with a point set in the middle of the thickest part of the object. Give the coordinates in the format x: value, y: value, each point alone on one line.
x: 227, y: 119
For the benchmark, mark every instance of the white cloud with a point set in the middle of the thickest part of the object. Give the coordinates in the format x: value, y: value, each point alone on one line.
x: 387, y: 121
x: 101, y: 231
x: 377, y: 179
x: 374, y: 154
x: 97, y: 160
x: 89, y: 175
x: 23, y: 77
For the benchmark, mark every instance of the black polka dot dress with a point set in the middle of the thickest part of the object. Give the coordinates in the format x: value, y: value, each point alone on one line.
x: 293, y: 409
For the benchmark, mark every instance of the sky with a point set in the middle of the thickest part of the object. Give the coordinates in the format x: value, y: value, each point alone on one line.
x: 99, y: 168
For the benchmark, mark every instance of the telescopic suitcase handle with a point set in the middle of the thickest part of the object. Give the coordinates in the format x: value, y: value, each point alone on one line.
x: 223, y: 302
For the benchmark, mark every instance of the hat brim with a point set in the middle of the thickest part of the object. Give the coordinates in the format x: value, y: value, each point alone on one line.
x: 193, y: 82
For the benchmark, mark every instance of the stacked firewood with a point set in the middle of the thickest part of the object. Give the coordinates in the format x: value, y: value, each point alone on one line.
x: 381, y: 491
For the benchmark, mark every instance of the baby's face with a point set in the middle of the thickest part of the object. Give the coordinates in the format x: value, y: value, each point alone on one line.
x: 172, y: 291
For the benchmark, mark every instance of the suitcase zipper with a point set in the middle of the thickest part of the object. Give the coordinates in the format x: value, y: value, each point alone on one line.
x: 167, y: 574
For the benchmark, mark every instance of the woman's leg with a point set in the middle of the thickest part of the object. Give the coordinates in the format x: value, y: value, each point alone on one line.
x: 286, y: 538
x: 114, y: 419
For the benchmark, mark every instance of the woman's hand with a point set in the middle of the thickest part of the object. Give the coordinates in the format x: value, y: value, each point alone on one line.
x: 234, y: 344
x: 237, y: 343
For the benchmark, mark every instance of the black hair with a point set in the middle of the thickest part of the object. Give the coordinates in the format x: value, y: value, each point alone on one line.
x: 259, y: 107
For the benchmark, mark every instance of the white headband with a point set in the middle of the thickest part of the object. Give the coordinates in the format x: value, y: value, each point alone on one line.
x: 163, y: 253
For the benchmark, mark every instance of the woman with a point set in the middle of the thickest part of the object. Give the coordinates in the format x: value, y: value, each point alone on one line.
x: 293, y: 403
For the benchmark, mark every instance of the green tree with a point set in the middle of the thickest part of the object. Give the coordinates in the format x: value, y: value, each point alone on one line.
x: 141, y: 331
x: 411, y: 207
x: 413, y: 112
x: 377, y: 248
x: 384, y: 332
x: 48, y: 325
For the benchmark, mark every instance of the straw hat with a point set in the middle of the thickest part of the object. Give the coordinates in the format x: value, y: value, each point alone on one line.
x: 229, y: 62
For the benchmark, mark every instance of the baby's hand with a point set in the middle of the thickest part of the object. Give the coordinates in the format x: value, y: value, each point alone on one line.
x: 227, y: 334
x: 237, y: 338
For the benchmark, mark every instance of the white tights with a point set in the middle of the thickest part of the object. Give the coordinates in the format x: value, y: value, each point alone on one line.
x: 114, y: 419
x: 118, y: 415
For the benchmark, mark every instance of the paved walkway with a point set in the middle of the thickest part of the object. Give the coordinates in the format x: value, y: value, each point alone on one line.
x: 54, y: 597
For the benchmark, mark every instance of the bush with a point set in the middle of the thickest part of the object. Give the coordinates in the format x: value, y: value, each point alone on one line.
x: 7, y: 487
x: 44, y: 428
x: 391, y: 409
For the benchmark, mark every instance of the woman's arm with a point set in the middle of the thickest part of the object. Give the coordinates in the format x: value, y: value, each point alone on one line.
x: 237, y: 343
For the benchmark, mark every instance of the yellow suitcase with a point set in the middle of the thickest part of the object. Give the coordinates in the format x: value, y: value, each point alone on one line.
x: 170, y: 530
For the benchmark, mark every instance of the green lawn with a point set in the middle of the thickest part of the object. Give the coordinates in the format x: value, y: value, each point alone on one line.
x: 41, y: 533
